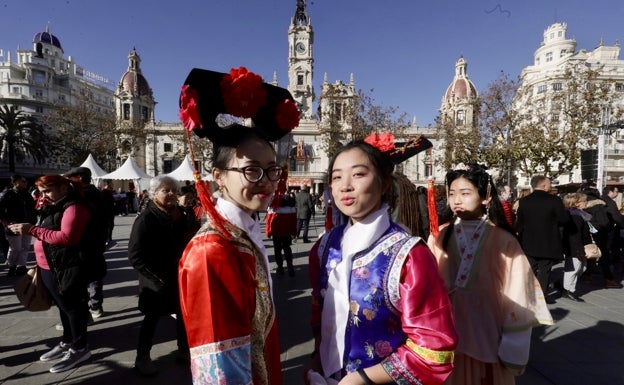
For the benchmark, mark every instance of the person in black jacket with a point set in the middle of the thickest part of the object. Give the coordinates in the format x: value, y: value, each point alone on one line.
x: 17, y: 206
x: 539, y: 218
x: 62, y: 250
x: 575, y: 236
x: 609, y: 193
x: 157, y: 240
x: 603, y: 226
x: 97, y: 204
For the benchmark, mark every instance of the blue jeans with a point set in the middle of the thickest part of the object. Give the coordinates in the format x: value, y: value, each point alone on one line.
x: 303, y: 223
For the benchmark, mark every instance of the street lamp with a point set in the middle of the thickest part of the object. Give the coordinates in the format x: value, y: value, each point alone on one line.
x: 605, y: 130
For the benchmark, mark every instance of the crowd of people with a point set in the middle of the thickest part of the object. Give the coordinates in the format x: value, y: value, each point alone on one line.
x: 409, y: 285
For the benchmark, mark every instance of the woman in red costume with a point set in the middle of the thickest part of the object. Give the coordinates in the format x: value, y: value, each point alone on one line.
x: 224, y: 277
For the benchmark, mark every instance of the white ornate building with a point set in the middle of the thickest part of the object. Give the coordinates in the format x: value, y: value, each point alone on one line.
x: 557, y: 53
x: 37, y: 80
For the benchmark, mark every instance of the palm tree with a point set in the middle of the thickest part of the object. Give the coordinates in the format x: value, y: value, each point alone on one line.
x: 21, y: 135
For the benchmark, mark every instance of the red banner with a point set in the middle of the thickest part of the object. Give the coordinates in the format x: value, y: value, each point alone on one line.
x: 298, y: 182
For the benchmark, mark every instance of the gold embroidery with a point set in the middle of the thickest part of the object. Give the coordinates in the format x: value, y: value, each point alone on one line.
x: 438, y: 357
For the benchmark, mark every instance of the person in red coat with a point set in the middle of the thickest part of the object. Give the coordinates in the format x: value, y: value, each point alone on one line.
x: 504, y: 195
x: 281, y: 227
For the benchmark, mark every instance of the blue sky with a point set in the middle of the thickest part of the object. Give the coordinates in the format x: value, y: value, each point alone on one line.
x: 403, y: 50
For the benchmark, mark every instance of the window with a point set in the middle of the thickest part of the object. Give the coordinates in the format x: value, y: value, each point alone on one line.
x: 299, y: 80
x: 16, y: 90
x: 126, y: 112
x: 61, y: 98
x: 552, y: 35
x: 167, y: 166
x: 549, y: 57
x: 460, y: 118
x: 541, y: 88
x: 557, y: 86
x: 428, y: 169
x: 145, y: 113
x: 39, y: 110
x: 560, y: 34
x: 168, y: 147
x: 39, y: 77
x: 337, y: 111
x: 563, y: 52
x: 619, y: 87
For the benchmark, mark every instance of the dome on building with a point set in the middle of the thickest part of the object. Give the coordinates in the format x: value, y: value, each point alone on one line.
x: 48, y: 38
x: 132, y: 81
x: 135, y: 84
x: 461, y: 87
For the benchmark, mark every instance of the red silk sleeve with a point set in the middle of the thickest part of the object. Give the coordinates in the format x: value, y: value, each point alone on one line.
x: 217, y: 292
x: 426, y: 318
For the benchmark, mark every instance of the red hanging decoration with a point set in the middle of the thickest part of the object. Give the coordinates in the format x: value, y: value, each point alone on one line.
x: 434, y: 227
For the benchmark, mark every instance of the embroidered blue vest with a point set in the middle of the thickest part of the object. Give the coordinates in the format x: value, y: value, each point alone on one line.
x: 374, y: 326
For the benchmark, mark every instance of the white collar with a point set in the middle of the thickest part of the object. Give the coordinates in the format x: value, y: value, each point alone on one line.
x: 239, y: 218
x: 242, y: 220
x: 360, y: 235
x: 235, y: 214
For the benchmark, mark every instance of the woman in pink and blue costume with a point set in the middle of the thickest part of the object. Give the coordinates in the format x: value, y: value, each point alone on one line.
x: 380, y: 312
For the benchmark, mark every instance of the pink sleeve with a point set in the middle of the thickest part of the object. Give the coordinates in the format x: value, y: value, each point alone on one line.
x: 427, y: 319
x: 73, y: 223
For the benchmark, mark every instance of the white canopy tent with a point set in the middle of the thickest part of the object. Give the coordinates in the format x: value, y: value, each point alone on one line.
x: 185, y: 170
x: 96, y: 171
x: 130, y: 171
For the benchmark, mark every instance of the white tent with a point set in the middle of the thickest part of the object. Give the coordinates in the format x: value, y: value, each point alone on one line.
x: 129, y: 171
x: 185, y: 171
x: 96, y: 171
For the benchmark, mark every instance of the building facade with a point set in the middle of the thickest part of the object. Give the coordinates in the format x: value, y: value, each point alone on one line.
x: 39, y: 80
x: 547, y: 76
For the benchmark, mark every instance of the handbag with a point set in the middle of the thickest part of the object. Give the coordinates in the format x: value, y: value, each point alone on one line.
x: 31, y: 292
x: 592, y: 251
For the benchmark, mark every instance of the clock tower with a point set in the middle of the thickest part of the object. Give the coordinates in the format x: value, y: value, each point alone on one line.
x: 300, y: 60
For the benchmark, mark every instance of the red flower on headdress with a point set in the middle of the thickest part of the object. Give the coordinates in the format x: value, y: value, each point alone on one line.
x: 243, y: 94
x: 384, y: 142
x: 287, y: 115
x: 189, y: 114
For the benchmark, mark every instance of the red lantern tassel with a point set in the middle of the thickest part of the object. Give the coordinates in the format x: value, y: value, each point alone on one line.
x: 281, y: 188
x: 434, y: 227
x: 205, y: 198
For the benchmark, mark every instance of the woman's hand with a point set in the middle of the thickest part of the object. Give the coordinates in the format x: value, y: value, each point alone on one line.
x: 313, y: 364
x: 20, y: 228
x: 352, y: 378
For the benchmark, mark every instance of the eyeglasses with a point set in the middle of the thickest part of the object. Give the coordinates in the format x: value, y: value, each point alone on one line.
x: 254, y: 174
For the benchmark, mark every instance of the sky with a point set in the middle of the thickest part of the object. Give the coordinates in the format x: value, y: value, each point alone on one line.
x: 400, y: 52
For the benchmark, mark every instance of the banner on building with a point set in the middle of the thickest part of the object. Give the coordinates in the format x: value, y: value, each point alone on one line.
x: 298, y: 182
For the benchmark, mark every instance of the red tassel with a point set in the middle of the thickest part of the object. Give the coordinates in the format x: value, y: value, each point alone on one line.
x: 281, y: 188
x: 434, y: 227
x: 205, y: 198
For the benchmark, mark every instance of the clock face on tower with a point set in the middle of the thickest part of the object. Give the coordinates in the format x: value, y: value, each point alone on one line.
x: 300, y: 47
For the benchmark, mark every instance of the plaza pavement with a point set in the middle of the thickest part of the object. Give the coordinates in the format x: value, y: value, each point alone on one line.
x: 585, y: 346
